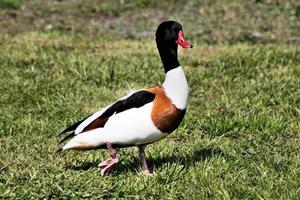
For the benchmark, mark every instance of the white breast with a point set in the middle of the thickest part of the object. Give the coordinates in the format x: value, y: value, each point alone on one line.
x: 176, y: 87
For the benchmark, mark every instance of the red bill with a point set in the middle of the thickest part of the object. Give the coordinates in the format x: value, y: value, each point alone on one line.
x: 181, y: 41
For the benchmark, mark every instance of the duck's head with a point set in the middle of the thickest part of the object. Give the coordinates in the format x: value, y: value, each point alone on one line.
x: 170, y: 33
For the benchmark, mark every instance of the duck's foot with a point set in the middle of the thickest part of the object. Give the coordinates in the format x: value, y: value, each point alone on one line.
x: 145, y: 169
x: 147, y: 173
x: 107, y: 165
x: 105, y: 162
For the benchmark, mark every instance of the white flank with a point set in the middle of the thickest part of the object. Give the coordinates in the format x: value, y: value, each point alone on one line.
x: 132, y: 127
x: 176, y: 87
x: 90, y: 119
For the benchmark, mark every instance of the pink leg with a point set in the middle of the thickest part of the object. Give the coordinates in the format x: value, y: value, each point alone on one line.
x: 143, y: 160
x: 107, y: 165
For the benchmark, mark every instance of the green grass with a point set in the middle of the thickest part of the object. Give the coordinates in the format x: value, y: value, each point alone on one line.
x: 63, y: 60
x: 209, y: 21
x: 10, y: 4
x: 240, y: 137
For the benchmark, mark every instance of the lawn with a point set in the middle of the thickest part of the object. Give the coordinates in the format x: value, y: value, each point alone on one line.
x: 240, y: 138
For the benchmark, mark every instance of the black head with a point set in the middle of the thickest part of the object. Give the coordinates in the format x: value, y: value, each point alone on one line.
x: 169, y: 35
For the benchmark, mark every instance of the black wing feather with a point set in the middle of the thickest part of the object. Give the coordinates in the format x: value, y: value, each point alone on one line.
x: 72, y: 127
x: 136, y: 100
x: 65, y: 138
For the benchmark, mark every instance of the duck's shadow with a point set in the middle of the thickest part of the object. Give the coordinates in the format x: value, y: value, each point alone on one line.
x: 187, y: 160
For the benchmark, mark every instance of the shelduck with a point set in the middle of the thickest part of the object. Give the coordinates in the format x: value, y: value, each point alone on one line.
x: 142, y: 117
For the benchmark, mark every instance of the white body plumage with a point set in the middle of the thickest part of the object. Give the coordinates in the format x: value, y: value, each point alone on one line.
x: 133, y: 126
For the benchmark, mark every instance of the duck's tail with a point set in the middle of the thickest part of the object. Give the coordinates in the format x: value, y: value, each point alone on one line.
x: 86, y: 140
